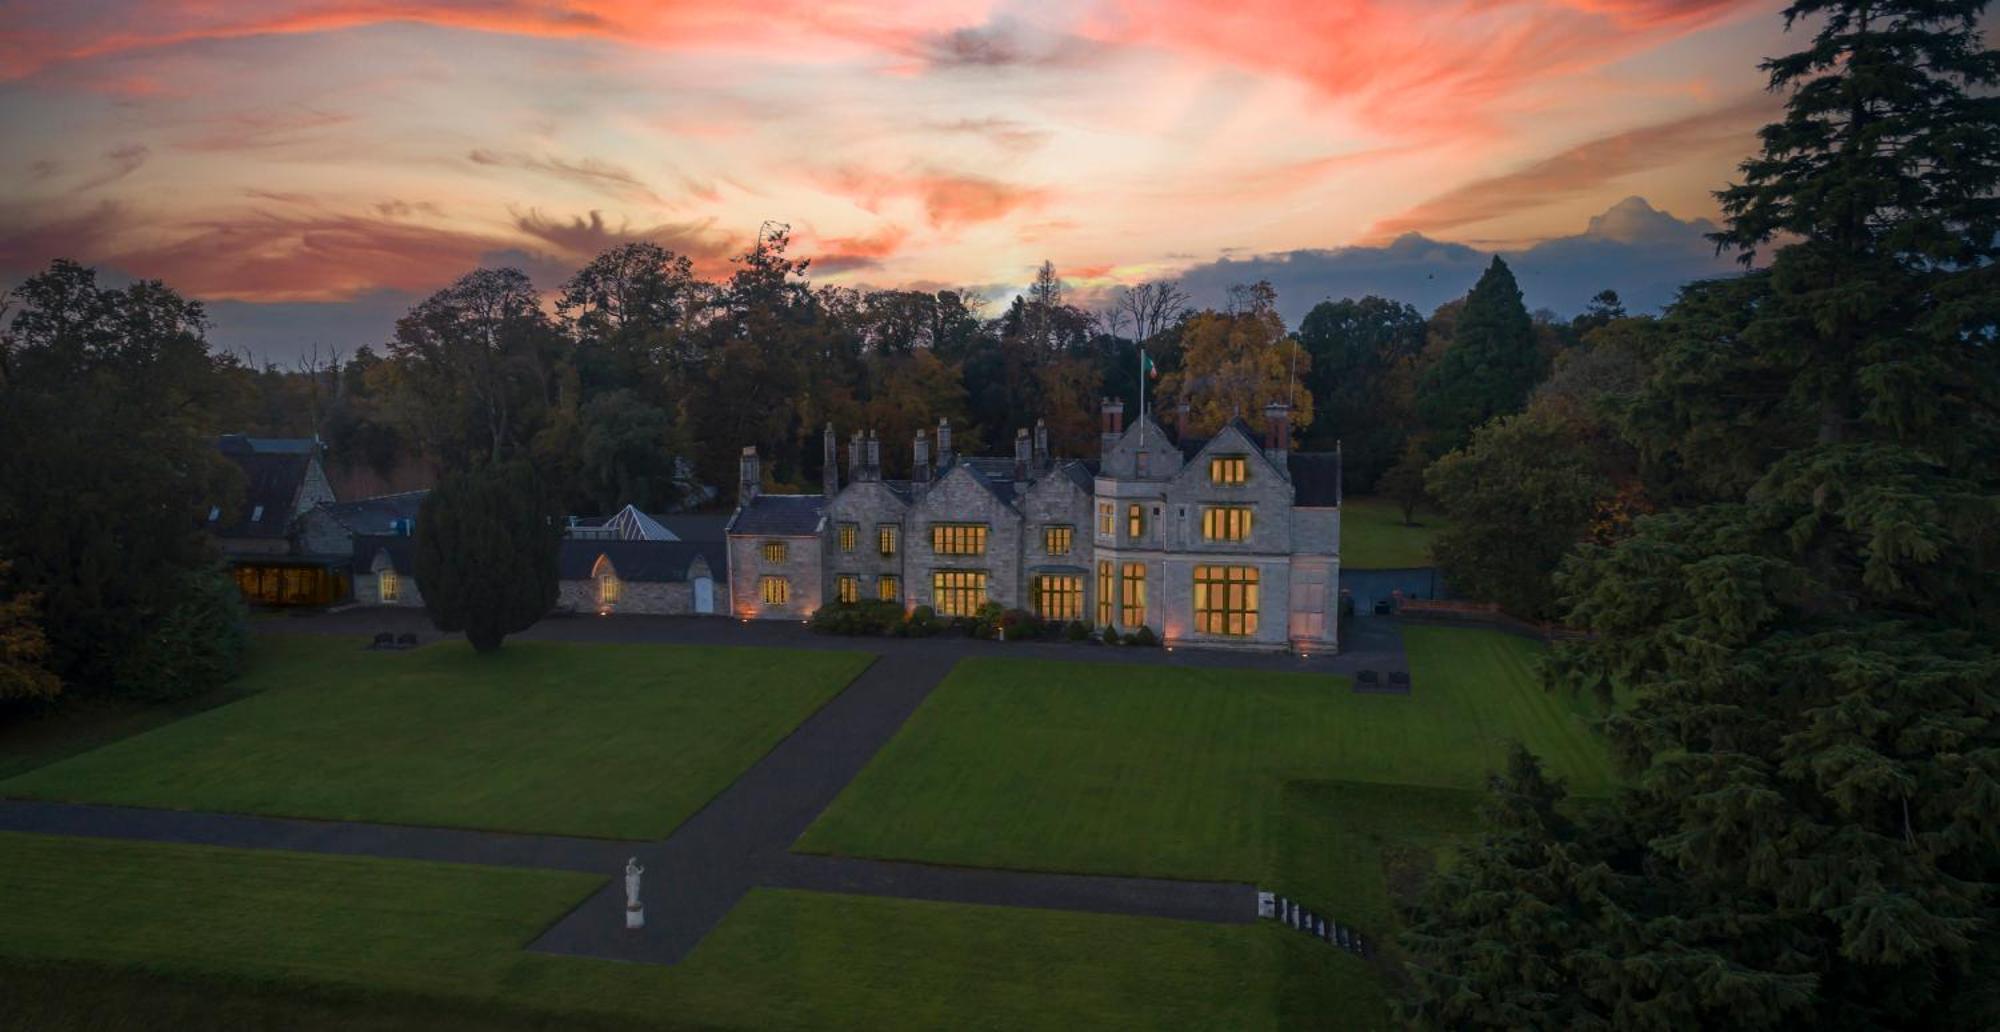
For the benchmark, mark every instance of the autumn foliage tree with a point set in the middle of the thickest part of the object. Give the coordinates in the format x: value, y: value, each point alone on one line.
x: 1233, y: 364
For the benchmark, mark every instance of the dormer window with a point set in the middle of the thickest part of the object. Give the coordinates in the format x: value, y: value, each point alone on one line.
x: 1228, y: 470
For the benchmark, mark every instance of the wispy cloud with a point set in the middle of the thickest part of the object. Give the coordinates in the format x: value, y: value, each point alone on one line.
x: 601, y: 176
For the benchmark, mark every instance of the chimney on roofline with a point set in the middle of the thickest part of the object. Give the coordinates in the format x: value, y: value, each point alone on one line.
x: 1182, y: 417
x: 874, y: 463
x: 1112, y: 427
x: 857, y: 459
x: 944, y: 443
x: 920, y: 458
x: 829, y: 475
x: 1023, y: 453
x: 1041, y: 445
x: 1277, y: 431
x: 749, y: 476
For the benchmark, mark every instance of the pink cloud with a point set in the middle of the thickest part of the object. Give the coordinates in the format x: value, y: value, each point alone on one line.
x: 950, y: 200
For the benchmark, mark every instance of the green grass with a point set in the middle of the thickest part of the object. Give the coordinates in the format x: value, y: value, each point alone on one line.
x: 1181, y: 772
x: 620, y: 741
x: 1373, y: 537
x: 368, y: 942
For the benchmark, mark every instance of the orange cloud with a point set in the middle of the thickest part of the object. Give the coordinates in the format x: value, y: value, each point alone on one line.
x: 842, y: 254
x: 950, y: 200
x: 1584, y: 169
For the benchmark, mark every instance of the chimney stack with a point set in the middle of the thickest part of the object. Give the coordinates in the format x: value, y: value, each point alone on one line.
x: 944, y: 443
x: 749, y: 476
x: 857, y: 459
x: 920, y: 458
x: 1112, y: 426
x: 1277, y: 432
x: 1041, y: 445
x: 1182, y: 417
x: 1023, y: 451
x: 829, y: 475
x: 874, y: 456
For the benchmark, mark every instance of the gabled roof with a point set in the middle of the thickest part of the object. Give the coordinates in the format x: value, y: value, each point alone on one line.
x: 785, y: 515
x: 633, y: 525
x: 376, y: 515
x: 1001, y: 487
x: 1315, y: 478
x: 271, y: 486
x: 402, y: 552
x: 641, y: 560
x: 691, y: 526
x: 1080, y: 473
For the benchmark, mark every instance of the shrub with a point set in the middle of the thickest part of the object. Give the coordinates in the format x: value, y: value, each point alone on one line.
x: 1110, y: 636
x: 1020, y: 625
x: 986, y: 621
x: 1077, y: 630
x: 193, y: 647
x: 872, y: 618
x: 923, y: 622
x: 486, y: 546
x: 1143, y: 636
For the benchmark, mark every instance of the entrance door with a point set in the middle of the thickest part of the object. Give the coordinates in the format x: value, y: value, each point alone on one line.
x: 704, y: 595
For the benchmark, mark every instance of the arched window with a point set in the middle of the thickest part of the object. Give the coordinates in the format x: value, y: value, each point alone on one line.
x: 609, y: 588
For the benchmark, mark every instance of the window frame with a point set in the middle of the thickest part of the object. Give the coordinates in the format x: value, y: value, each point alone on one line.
x: 1229, y: 470
x: 388, y: 587
x: 846, y: 588
x: 1050, y: 533
x: 774, y: 551
x: 1107, y: 518
x: 889, y: 588
x: 1132, y: 595
x: 886, y: 535
x: 958, y: 592
x: 848, y: 534
x: 781, y: 596
x: 1065, y: 590
x: 963, y: 539
x: 1105, y: 586
x: 1236, y: 615
x: 1135, y: 521
x: 1225, y: 518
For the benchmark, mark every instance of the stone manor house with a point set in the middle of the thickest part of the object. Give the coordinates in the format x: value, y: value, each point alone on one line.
x: 1230, y: 540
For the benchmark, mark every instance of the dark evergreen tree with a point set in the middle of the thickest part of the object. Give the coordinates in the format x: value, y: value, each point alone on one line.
x: 486, y: 544
x: 1492, y: 363
x: 1807, y: 651
x: 1354, y: 345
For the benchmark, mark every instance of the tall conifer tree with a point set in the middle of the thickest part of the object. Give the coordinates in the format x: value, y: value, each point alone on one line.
x: 486, y: 543
x: 1491, y: 365
x: 1812, y: 832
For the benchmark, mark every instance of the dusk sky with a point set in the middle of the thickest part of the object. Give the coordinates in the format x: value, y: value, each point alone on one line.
x: 313, y: 167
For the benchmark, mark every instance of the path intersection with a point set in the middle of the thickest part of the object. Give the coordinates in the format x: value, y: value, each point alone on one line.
x: 742, y: 838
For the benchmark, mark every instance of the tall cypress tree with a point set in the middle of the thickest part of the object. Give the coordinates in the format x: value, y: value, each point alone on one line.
x: 1490, y: 366
x: 486, y: 544
x: 1808, y: 650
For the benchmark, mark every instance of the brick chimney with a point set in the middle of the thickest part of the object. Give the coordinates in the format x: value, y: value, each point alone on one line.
x: 1024, y: 448
x: 874, y: 463
x: 829, y: 475
x: 1112, y: 427
x: 944, y: 443
x: 749, y: 476
x: 857, y: 461
x: 1041, y: 445
x: 1277, y: 432
x: 920, y: 458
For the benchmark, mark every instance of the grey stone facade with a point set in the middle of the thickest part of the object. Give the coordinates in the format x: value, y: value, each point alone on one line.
x: 1154, y: 513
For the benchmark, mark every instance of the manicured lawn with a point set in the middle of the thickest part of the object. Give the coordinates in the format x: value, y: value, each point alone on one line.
x: 1181, y: 772
x: 362, y: 941
x: 1373, y: 537
x: 621, y: 741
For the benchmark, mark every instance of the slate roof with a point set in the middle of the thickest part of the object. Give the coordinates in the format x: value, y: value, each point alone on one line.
x: 1315, y: 478
x: 272, y: 479
x: 402, y: 552
x: 691, y: 526
x: 377, y: 515
x: 642, y: 560
x: 1079, y: 474
x: 779, y: 514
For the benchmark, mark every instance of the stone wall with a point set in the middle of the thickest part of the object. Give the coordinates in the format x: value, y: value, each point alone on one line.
x: 320, y: 534
x: 867, y: 504
x: 959, y: 498
x: 656, y: 598
x: 803, y: 566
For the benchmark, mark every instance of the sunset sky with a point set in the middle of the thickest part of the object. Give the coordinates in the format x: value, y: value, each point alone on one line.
x: 314, y: 165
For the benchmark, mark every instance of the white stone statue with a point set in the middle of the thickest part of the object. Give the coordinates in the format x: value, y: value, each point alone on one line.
x: 635, y: 913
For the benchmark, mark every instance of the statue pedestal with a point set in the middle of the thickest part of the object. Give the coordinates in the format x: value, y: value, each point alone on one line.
x: 635, y: 917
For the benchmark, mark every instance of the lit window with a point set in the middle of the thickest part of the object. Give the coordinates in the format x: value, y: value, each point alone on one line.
x: 774, y: 551
x: 885, y: 539
x: 1225, y: 523
x: 1225, y: 600
x: 850, y: 534
x: 847, y: 588
x: 1132, y: 610
x: 889, y: 588
x: 1135, y: 521
x: 1104, y: 591
x: 1059, y: 598
x: 609, y: 590
x: 1107, y: 516
x: 776, y: 591
x: 390, y: 585
x: 958, y: 592
x: 1056, y: 540
x: 958, y: 538
x: 1228, y: 469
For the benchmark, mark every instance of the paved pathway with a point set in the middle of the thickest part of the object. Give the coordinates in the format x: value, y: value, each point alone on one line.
x: 741, y: 839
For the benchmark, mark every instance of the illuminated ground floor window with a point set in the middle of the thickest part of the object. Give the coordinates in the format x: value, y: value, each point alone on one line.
x: 958, y: 592
x: 776, y: 591
x: 889, y: 588
x: 1059, y: 598
x: 847, y: 588
x: 1225, y: 600
x: 1132, y: 604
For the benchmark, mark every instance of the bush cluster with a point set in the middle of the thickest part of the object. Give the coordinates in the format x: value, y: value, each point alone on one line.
x: 873, y: 618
